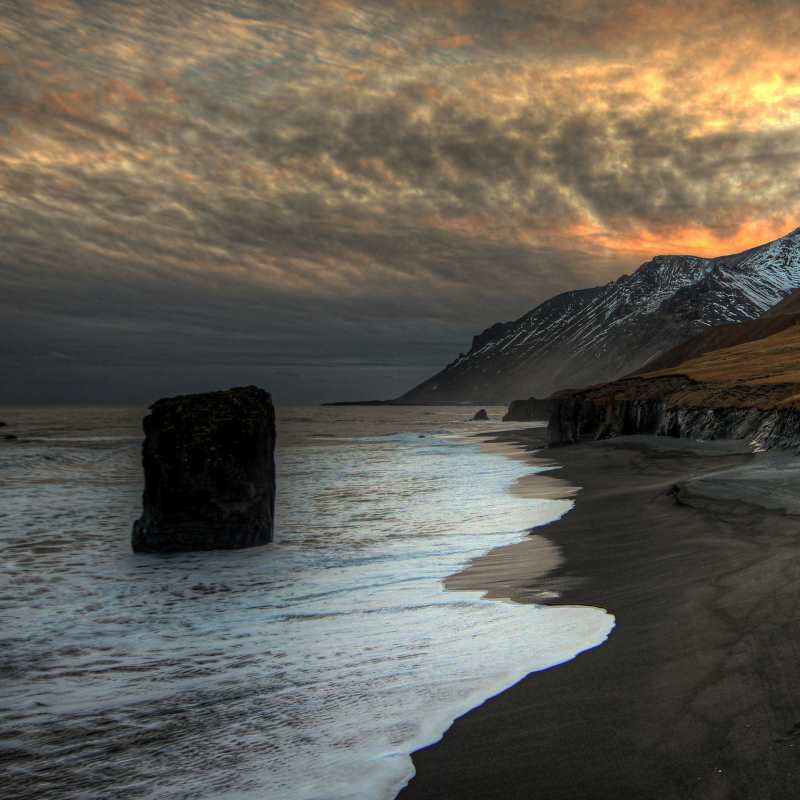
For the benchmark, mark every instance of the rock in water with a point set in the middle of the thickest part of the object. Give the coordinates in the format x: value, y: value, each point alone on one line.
x: 481, y: 415
x: 209, y: 472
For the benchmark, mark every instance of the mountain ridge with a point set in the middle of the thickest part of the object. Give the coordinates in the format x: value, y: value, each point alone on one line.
x: 598, y: 334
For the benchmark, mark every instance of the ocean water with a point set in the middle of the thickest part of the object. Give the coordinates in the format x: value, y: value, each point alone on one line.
x: 308, y: 669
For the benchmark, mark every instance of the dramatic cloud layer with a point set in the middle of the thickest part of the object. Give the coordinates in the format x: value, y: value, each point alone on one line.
x: 330, y: 197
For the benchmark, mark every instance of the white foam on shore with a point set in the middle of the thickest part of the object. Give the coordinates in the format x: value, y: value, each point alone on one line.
x: 308, y: 669
x: 442, y: 653
x: 568, y: 632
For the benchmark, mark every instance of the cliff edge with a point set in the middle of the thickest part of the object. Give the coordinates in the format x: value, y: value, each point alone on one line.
x: 748, y: 391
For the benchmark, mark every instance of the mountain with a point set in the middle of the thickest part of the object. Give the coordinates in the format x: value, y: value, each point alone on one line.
x: 595, y: 335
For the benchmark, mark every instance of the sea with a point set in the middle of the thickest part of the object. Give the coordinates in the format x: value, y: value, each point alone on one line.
x: 308, y: 669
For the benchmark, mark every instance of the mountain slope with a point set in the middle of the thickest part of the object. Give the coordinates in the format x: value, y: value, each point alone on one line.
x: 785, y: 314
x: 595, y: 335
x: 771, y: 363
x: 791, y: 305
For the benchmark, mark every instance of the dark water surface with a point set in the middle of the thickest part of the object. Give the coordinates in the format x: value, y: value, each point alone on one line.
x: 310, y: 668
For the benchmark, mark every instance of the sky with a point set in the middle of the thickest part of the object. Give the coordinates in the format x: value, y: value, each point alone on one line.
x: 330, y: 198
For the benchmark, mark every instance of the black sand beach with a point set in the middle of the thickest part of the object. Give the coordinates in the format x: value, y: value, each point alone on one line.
x: 696, y: 694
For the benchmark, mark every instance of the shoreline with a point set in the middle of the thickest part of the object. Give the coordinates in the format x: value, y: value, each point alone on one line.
x: 694, y: 694
x: 496, y: 573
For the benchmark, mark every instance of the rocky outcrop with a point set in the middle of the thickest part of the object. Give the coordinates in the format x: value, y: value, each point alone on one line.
x: 527, y: 410
x: 533, y: 408
x: 481, y: 416
x: 209, y: 472
x: 496, y: 331
x: 673, y: 406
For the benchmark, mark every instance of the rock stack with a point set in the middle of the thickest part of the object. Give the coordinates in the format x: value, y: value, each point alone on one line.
x: 209, y: 472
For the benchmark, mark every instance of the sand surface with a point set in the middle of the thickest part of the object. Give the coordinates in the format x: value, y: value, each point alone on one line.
x: 504, y: 571
x: 697, y: 692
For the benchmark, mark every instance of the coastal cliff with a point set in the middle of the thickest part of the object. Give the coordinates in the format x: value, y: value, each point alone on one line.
x: 732, y: 382
x: 533, y: 408
x: 676, y: 407
x: 530, y: 409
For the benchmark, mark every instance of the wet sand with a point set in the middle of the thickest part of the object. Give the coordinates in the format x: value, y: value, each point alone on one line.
x: 696, y: 694
x: 519, y: 570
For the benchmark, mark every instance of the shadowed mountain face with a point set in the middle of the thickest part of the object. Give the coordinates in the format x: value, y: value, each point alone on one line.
x: 770, y: 363
x: 785, y: 314
x: 595, y: 335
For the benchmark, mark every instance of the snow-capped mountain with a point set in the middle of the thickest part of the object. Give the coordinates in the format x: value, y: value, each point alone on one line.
x: 593, y: 335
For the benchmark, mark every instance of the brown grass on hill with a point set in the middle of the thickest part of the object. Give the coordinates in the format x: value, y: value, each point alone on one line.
x: 772, y: 363
x: 753, y: 364
x: 724, y: 336
x: 679, y: 390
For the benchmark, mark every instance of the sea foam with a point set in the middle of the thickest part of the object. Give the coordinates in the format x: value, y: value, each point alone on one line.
x: 311, y: 668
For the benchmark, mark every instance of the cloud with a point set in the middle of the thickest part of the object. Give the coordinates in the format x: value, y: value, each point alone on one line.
x: 243, y: 183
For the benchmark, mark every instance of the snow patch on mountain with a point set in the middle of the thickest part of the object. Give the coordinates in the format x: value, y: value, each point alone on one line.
x: 591, y: 335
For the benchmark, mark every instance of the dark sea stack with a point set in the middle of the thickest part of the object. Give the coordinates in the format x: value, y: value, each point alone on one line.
x: 9, y: 437
x: 3, y: 424
x: 481, y: 416
x: 209, y: 472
